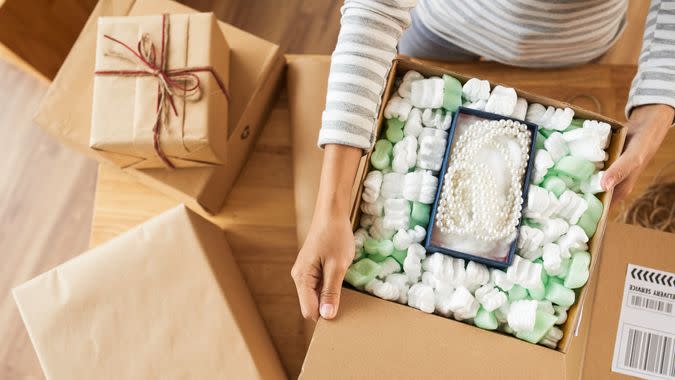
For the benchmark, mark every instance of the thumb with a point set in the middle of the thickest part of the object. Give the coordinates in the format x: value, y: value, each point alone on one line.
x: 333, y: 274
x: 619, y: 170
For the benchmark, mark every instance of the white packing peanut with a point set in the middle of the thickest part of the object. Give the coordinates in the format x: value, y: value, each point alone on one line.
x: 556, y: 146
x: 560, y: 120
x: 405, y: 155
x: 530, y: 239
x: 389, y: 266
x: 603, y: 129
x: 553, y: 260
x: 572, y: 206
x: 436, y: 119
x: 443, y: 301
x: 427, y: 93
x: 379, y: 232
x: 522, y: 315
x: 534, y: 113
x: 575, y: 239
x: 502, y: 101
x: 401, y: 281
x: 420, y: 186
x: 421, y: 297
x: 475, y: 89
x: 524, y: 273
x: 520, y: 111
x: 373, y: 208
x: 499, y: 278
x: 490, y: 297
x: 552, y: 338
x: 371, y: 186
x: 397, y: 107
x: 476, y: 275
x: 542, y: 162
x: 396, y: 214
x: 413, y: 126
x: 392, y: 185
x: 463, y: 304
x: 406, y: 84
x: 383, y: 290
x: 431, y: 145
x: 412, y: 264
x: 553, y: 229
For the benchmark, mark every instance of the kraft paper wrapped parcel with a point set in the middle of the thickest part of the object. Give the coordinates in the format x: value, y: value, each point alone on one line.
x: 165, y: 300
x: 160, y: 96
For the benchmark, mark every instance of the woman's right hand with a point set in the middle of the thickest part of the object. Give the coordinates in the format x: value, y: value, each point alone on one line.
x: 321, y: 264
x: 328, y: 249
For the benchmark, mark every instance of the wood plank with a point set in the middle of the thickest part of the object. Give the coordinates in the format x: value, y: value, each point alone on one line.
x: 45, y: 209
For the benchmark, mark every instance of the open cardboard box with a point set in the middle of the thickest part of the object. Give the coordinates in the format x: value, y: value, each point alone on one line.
x: 402, y: 65
x: 367, y: 335
x: 256, y: 70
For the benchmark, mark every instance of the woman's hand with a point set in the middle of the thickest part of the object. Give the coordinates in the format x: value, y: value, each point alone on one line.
x: 647, y: 127
x: 329, y: 247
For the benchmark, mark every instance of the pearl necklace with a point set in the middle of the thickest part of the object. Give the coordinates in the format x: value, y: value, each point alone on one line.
x: 470, y: 203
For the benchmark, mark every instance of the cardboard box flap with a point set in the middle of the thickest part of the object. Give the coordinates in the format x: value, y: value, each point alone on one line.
x: 255, y: 67
x: 364, y: 344
x: 163, y: 300
x: 623, y: 244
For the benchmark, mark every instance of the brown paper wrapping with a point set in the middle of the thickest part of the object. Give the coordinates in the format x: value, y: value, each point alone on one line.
x: 164, y: 300
x: 124, y: 107
x: 65, y: 111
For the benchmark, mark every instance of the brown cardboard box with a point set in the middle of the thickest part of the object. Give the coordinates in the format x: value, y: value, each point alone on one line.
x: 623, y: 245
x: 255, y: 66
x: 165, y: 300
x: 403, y: 64
x: 411, y: 344
x: 192, y: 123
x: 363, y: 344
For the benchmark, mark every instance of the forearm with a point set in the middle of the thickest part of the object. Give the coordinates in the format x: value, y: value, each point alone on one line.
x: 362, y: 58
x: 340, y: 164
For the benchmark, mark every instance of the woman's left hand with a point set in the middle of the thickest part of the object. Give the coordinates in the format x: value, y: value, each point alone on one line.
x: 647, y: 127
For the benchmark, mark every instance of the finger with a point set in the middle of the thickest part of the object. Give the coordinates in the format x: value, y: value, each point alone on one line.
x: 306, y: 284
x: 620, y: 170
x: 622, y: 190
x: 333, y: 274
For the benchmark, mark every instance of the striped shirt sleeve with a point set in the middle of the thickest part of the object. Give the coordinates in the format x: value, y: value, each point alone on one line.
x: 366, y: 47
x: 654, y: 82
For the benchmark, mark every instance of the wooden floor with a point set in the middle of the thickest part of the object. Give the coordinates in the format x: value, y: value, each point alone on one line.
x: 46, y: 191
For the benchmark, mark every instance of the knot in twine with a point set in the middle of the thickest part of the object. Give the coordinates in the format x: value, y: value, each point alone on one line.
x: 182, y: 83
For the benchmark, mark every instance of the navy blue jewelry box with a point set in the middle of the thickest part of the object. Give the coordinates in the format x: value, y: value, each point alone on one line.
x: 428, y: 245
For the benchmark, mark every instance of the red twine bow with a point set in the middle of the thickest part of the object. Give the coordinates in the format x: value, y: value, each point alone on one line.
x: 170, y: 80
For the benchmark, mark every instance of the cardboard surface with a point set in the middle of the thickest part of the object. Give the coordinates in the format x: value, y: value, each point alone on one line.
x: 124, y: 108
x: 623, y: 245
x: 255, y: 71
x: 360, y: 343
x: 373, y: 338
x: 164, y: 300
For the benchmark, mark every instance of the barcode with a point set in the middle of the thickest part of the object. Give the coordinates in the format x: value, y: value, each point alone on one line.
x: 650, y: 352
x: 651, y: 304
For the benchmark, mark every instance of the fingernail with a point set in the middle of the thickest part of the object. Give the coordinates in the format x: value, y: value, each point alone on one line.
x: 327, y: 311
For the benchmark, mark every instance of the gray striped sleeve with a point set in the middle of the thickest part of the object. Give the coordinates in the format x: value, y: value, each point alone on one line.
x: 654, y: 82
x: 369, y: 33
